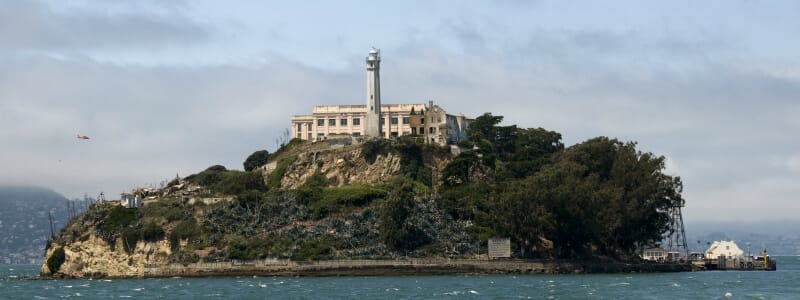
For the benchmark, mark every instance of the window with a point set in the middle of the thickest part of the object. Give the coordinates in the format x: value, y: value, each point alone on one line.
x: 299, y: 135
x: 394, y: 121
x: 309, y: 136
x: 383, y: 121
x: 331, y: 122
x: 430, y: 130
x: 343, y: 122
x: 356, y: 134
x: 405, y: 120
x: 356, y: 121
x: 394, y: 133
x: 299, y: 128
x: 320, y: 122
x: 422, y: 120
x: 414, y: 131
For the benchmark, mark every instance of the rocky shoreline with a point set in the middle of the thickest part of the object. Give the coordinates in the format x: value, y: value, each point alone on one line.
x: 404, y: 267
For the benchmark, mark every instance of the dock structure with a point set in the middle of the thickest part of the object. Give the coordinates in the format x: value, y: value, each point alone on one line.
x: 735, y: 262
x: 745, y: 263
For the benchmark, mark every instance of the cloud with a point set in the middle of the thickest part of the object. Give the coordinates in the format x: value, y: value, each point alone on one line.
x: 146, y: 123
x: 32, y: 26
x: 768, y: 198
x: 719, y: 113
x: 793, y: 163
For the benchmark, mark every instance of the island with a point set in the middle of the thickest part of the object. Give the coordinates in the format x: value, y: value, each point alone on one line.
x: 375, y: 206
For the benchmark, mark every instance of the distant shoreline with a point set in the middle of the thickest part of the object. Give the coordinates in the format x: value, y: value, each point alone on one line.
x: 404, y: 267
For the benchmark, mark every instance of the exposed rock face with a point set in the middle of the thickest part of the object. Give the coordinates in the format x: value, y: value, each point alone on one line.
x: 342, y: 166
x: 93, y: 257
x: 281, y: 226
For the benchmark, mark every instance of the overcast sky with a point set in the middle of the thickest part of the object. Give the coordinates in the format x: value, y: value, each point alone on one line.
x: 172, y: 87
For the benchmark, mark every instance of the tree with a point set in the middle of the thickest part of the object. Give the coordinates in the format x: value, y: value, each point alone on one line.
x: 395, y: 230
x: 56, y: 259
x: 255, y: 160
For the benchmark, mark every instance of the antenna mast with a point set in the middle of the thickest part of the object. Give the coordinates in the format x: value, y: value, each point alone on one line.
x: 677, y: 248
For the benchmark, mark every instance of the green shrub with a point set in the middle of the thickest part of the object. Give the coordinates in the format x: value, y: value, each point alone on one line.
x: 237, y: 182
x: 152, y: 232
x: 311, y: 190
x: 237, y: 247
x: 336, y: 199
x: 255, y: 160
x: 189, y: 258
x: 56, y: 259
x: 313, y: 249
x: 208, y: 176
x: 129, y: 236
x: 171, y: 209
x: 119, y: 217
x: 220, y: 180
x: 371, y: 149
x: 274, y: 180
x: 186, y: 229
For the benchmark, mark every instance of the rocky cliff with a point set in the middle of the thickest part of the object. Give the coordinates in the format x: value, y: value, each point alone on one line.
x: 94, y: 257
x: 341, y: 166
x: 347, y: 164
x: 190, y: 221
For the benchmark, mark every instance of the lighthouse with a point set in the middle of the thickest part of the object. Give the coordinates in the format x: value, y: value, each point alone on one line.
x: 372, y: 124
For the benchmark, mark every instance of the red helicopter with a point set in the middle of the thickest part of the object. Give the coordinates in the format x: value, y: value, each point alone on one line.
x: 82, y: 137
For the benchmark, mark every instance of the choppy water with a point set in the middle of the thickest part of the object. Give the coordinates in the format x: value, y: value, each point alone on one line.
x: 782, y: 284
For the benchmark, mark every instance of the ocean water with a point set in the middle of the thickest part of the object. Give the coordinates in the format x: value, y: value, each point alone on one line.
x: 781, y: 284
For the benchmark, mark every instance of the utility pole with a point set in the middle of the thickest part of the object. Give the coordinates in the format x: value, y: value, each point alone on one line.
x: 52, y: 228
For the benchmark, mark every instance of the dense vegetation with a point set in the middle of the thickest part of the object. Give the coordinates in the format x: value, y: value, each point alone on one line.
x: 601, y: 197
x: 56, y: 259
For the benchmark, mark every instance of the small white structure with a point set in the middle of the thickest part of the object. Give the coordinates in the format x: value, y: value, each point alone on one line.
x: 130, y: 200
x: 654, y: 254
x: 725, y: 249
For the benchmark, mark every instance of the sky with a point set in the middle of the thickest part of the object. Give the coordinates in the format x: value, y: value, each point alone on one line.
x: 168, y: 88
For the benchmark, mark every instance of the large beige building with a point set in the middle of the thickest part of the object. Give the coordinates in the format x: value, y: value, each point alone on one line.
x: 377, y: 120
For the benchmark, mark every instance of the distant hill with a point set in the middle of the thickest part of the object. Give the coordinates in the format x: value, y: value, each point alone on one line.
x: 780, y: 237
x: 24, y: 224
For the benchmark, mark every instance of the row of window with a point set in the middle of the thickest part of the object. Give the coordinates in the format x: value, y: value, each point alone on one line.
x: 356, y: 122
x: 321, y: 136
x: 342, y: 122
x: 431, y: 130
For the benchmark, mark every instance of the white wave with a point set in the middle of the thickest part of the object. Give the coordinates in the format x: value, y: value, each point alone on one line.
x: 67, y: 286
x: 138, y: 289
x: 124, y: 296
x: 474, y: 292
x: 620, y: 283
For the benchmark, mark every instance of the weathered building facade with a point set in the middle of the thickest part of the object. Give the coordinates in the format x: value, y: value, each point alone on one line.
x: 377, y: 120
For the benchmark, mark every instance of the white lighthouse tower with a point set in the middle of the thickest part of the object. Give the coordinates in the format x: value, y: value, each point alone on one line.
x: 372, y: 125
